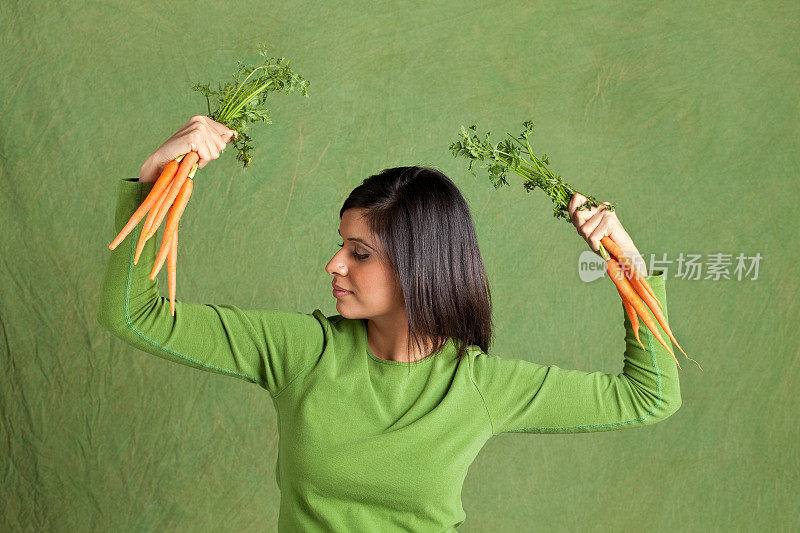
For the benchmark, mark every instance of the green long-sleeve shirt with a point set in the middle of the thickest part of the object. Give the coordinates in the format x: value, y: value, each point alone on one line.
x: 366, y: 445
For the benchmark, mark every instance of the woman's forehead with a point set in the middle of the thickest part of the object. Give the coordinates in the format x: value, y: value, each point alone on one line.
x: 353, y: 221
x: 354, y: 226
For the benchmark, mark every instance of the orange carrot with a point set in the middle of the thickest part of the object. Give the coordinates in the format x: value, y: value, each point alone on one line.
x: 172, y: 224
x: 646, y: 286
x: 172, y: 265
x: 188, y: 166
x: 148, y: 223
x: 151, y: 200
x: 651, y: 303
x: 630, y: 271
x: 158, y: 214
x: 632, y: 317
x: 629, y: 294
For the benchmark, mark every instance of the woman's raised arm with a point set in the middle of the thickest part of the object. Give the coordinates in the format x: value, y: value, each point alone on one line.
x: 522, y: 396
x: 267, y: 347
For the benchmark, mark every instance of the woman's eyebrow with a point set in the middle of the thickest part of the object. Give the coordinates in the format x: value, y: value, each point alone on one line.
x: 358, y: 240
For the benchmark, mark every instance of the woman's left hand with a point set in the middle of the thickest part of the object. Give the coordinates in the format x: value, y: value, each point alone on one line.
x: 597, y: 222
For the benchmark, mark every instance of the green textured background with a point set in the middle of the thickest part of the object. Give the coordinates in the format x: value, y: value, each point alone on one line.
x: 685, y: 114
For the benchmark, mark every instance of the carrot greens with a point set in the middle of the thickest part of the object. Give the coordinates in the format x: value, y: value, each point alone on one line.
x: 243, y: 100
x: 516, y: 155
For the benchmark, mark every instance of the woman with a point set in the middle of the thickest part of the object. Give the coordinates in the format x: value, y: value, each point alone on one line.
x: 383, y: 407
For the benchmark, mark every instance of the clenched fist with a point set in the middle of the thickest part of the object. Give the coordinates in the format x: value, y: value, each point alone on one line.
x: 201, y: 134
x: 597, y: 222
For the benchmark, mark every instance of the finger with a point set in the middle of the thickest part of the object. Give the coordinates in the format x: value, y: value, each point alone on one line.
x: 213, y: 150
x: 219, y: 143
x: 597, y: 234
x: 230, y: 135
x: 202, y: 159
x: 207, y: 152
x: 589, y: 226
x: 576, y: 200
x: 587, y: 214
x: 225, y: 133
x: 582, y: 215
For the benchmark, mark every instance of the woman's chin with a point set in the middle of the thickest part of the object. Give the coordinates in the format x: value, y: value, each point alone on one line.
x: 342, y: 309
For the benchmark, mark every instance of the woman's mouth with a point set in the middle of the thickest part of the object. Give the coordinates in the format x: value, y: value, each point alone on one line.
x: 338, y: 292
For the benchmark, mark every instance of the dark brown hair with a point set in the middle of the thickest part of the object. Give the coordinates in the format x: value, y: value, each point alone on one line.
x: 428, y: 238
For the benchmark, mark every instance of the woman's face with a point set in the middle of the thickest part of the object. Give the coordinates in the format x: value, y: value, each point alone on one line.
x: 358, y: 268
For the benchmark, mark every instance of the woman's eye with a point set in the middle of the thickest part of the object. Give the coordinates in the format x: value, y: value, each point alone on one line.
x: 360, y: 257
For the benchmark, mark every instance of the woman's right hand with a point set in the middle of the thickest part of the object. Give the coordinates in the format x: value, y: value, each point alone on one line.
x: 205, y: 136
x: 597, y: 222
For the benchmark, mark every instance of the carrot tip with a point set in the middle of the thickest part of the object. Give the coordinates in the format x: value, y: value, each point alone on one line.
x: 695, y: 362
x: 679, y: 347
x: 636, y: 332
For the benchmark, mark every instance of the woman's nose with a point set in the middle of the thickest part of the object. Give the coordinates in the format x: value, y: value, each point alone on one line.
x: 335, y: 266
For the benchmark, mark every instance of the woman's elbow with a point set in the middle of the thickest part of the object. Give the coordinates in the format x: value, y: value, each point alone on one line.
x: 667, y: 409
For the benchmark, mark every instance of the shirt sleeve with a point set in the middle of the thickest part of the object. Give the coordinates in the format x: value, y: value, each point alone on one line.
x: 266, y: 347
x: 521, y: 396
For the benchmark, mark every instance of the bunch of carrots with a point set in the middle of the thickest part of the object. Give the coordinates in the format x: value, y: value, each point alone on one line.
x: 175, y: 184
x: 516, y: 155
x: 236, y: 104
x: 635, y: 292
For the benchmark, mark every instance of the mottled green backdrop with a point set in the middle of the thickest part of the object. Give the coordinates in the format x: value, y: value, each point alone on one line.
x: 685, y: 114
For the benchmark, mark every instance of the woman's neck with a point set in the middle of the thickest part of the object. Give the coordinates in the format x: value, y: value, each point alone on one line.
x: 388, y: 339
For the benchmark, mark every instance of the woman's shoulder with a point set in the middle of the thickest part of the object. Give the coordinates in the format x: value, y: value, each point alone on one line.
x: 338, y: 326
x: 335, y: 321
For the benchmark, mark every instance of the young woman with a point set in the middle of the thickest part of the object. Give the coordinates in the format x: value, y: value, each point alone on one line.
x: 383, y: 407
